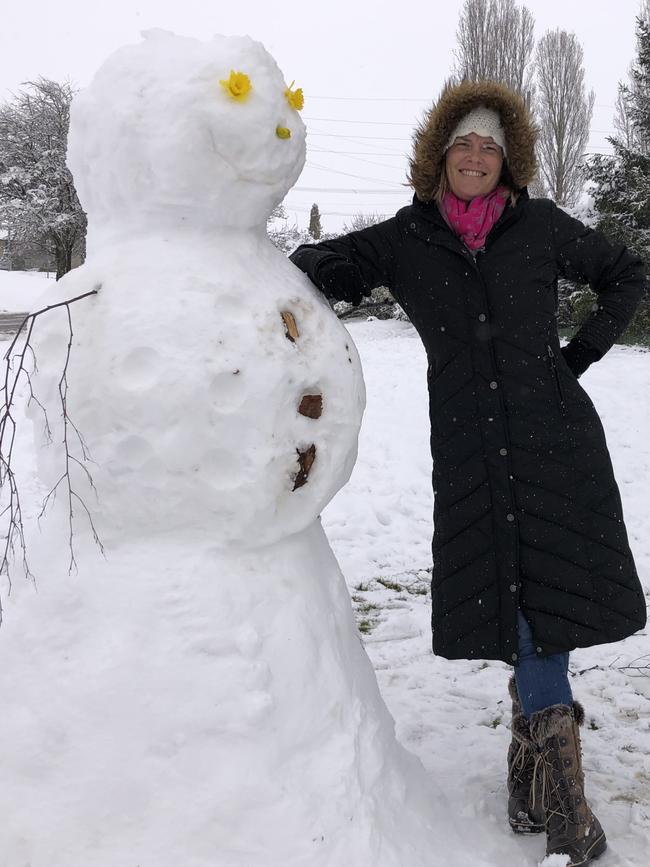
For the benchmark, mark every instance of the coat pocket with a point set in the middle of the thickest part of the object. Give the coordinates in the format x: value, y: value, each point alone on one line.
x: 557, y: 380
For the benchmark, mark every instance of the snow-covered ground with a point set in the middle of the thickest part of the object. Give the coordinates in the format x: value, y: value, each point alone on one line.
x: 454, y: 715
x: 20, y: 291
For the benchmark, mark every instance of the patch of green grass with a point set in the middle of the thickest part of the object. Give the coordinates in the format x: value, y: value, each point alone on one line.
x: 365, y: 626
x: 417, y: 591
x: 390, y: 585
x: 362, y: 588
x: 366, y: 606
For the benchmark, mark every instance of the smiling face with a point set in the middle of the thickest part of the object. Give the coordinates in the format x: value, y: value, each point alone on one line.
x: 473, y: 166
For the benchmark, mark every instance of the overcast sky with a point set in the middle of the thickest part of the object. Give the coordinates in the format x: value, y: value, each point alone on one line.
x: 368, y: 70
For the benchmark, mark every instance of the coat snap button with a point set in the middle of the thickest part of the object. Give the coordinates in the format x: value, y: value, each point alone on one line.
x: 513, y: 588
x: 503, y: 452
x: 494, y: 384
x: 482, y: 317
x: 413, y: 225
x: 510, y: 517
x: 539, y: 649
x: 514, y: 657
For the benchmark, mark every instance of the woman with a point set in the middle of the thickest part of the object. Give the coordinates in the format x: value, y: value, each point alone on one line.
x: 530, y: 553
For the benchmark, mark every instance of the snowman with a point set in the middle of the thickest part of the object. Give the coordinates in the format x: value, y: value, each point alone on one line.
x: 198, y: 696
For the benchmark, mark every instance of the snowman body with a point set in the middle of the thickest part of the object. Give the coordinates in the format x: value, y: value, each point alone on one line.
x: 203, y: 370
x: 200, y: 696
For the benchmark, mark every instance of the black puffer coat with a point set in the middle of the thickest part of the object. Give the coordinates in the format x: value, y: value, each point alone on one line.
x: 526, y: 509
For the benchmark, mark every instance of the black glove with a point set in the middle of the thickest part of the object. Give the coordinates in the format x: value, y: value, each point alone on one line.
x: 342, y: 279
x: 579, y: 356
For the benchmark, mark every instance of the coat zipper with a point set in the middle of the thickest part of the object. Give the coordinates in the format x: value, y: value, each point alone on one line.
x: 556, y: 376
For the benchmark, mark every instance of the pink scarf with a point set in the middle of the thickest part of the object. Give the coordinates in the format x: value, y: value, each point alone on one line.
x: 472, y: 221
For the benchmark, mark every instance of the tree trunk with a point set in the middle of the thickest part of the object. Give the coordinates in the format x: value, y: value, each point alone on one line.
x: 63, y: 254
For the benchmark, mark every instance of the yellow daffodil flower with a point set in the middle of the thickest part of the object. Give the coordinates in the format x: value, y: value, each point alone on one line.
x: 238, y: 85
x: 295, y: 98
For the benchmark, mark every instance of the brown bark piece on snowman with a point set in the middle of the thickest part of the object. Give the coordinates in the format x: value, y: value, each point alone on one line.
x: 290, y: 327
x: 311, y: 405
x: 306, y: 458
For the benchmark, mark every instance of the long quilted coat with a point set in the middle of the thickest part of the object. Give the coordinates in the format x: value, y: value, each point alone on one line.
x: 527, y: 513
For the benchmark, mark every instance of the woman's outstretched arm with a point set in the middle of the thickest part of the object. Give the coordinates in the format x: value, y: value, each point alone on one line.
x: 349, y: 267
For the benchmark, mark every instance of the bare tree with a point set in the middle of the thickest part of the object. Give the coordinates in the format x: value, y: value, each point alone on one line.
x: 565, y: 110
x: 362, y: 221
x: 37, y: 195
x: 622, y: 118
x: 631, y: 135
x: 20, y: 365
x: 495, y: 41
x: 282, y: 235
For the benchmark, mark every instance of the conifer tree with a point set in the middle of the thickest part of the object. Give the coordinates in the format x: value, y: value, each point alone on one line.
x: 315, y: 228
x: 621, y: 181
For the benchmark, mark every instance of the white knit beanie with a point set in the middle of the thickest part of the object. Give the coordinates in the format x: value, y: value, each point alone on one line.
x: 483, y: 121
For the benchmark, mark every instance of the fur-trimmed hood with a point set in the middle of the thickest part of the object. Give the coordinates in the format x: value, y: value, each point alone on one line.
x: 455, y: 101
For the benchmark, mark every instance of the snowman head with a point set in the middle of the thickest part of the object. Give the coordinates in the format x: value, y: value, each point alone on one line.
x: 175, y: 132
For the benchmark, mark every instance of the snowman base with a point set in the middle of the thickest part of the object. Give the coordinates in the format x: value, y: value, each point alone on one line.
x: 182, y: 705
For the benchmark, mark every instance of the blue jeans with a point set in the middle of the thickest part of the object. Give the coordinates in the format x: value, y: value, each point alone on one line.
x: 541, y: 680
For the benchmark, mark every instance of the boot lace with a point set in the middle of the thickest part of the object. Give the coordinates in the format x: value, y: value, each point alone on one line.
x: 520, y: 761
x: 557, y: 800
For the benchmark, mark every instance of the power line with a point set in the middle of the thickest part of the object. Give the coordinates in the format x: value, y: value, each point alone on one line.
x: 352, y: 138
x: 348, y: 174
x: 400, y: 154
x: 402, y: 123
x: 372, y: 98
x: 304, y: 207
x: 428, y: 99
x: 358, y: 159
x: 354, y: 141
x: 363, y: 190
x: 325, y: 213
x: 372, y: 122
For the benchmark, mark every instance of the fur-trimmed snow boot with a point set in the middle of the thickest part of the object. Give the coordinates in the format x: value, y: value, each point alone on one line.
x: 571, y: 827
x: 525, y: 811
